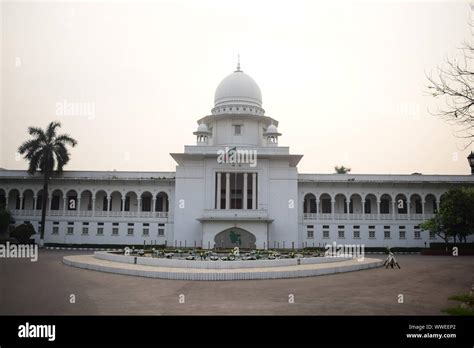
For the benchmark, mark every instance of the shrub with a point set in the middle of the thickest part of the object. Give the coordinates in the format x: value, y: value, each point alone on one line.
x: 23, y: 233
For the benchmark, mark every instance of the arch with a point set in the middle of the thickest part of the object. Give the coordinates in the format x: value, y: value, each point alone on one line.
x: 431, y: 203
x: 146, y: 199
x: 416, y: 206
x: 386, y: 204
x: 309, y: 203
x: 355, y: 203
x: 101, y: 200
x: 131, y: 201
x: 235, y: 237
x: 370, y: 205
x: 71, y: 199
x: 115, y: 201
x: 325, y: 203
x: 56, y: 199
x: 162, y: 202
x: 86, y: 200
x: 401, y: 206
x: 28, y: 199
x: 340, y: 205
x: 13, y: 200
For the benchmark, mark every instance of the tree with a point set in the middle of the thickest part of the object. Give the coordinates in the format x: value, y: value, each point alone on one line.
x: 435, y: 225
x: 455, y: 82
x: 342, y: 170
x: 5, y: 219
x: 455, y: 217
x: 47, y: 153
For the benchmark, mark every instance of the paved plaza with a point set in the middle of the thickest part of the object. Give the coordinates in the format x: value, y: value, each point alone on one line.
x: 45, y: 287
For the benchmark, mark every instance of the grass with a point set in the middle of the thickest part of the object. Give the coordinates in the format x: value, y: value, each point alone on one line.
x: 466, y: 307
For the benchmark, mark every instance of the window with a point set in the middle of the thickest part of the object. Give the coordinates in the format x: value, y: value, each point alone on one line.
x: 146, y: 231
x: 115, y: 231
x: 341, y: 234
x: 130, y: 229
x: 310, y: 234
x: 417, y: 234
x: 85, y: 230
x: 161, y: 229
x: 55, y: 230
x: 100, y: 231
x: 402, y: 234
x: 432, y: 235
x: 371, y: 234
x: 356, y: 234
x: 367, y: 206
x: 70, y: 230
x: 325, y: 234
x: 237, y: 129
x: 386, y: 234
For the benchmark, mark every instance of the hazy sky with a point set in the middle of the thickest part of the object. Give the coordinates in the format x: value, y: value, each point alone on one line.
x: 346, y: 80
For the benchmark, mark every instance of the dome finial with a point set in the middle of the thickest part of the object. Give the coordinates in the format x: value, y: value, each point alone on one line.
x: 238, y: 63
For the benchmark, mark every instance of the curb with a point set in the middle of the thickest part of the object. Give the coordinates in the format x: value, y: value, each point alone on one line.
x: 81, y: 249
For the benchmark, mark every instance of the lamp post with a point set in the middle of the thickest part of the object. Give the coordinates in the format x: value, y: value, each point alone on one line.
x: 470, y: 158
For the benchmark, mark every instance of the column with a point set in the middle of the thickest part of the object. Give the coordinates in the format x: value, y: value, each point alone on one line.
x: 423, y: 209
x: 393, y: 209
x: 64, y: 205
x: 218, y: 190
x: 227, y: 190
x: 34, y: 205
x: 408, y: 210
x: 245, y: 191
x: 378, y: 210
x: 363, y: 209
x: 254, y: 190
x: 348, y: 204
x: 78, y: 207
x: 123, y: 206
x: 318, y: 208
x: 93, y: 206
x: 153, y: 204
x: 333, y: 207
x: 21, y: 203
x: 139, y: 204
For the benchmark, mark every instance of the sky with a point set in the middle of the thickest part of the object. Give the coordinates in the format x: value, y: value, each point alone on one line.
x: 345, y: 79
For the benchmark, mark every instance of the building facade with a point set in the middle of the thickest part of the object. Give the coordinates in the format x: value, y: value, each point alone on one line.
x: 235, y: 187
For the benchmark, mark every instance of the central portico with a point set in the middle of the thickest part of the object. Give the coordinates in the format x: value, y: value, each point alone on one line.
x: 225, y: 181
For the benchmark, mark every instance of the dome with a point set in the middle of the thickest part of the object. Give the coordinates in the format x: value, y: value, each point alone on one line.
x: 272, y: 129
x: 238, y: 93
x: 202, y: 128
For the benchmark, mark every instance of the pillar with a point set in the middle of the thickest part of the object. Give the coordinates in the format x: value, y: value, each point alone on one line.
x: 408, y: 209
x: 218, y: 190
x: 378, y: 209
x: 333, y: 206
x: 245, y: 191
x: 254, y: 190
x: 93, y: 206
x: 227, y: 190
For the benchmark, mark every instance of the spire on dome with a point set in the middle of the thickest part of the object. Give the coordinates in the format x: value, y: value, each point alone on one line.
x: 238, y: 63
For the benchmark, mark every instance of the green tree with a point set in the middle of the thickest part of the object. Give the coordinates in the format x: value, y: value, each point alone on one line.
x: 455, y: 217
x: 342, y: 170
x: 46, y: 153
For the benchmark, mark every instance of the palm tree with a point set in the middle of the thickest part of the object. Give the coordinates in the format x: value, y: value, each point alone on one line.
x: 45, y: 152
x: 342, y: 170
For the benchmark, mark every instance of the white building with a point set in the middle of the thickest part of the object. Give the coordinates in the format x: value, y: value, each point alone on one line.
x: 236, y: 186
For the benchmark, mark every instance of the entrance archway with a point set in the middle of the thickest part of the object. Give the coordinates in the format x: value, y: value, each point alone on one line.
x: 235, y: 237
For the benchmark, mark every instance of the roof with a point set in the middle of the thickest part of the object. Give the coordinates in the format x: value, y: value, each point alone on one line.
x: 98, y: 175
x: 381, y: 178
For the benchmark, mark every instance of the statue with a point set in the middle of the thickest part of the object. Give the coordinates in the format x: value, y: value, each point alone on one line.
x: 236, y: 251
x: 391, y: 261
